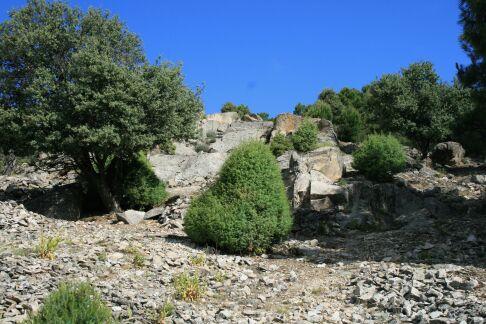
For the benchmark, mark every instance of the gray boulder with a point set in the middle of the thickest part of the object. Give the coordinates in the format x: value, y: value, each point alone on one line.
x: 448, y: 153
x: 131, y: 216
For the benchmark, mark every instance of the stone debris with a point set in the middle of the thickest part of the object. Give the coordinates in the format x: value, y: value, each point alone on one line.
x: 239, y: 289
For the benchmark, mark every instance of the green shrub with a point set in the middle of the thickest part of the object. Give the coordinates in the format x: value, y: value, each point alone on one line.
x: 72, y: 303
x: 305, y: 138
x: 202, y: 147
x: 189, y: 287
x: 350, y: 125
x: 320, y: 109
x: 247, y: 208
x: 242, y: 110
x: 47, y: 246
x: 280, y: 144
x: 379, y: 157
x: 138, y: 187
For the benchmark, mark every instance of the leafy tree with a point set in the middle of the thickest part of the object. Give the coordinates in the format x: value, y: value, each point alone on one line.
x: 379, y: 157
x: 351, y: 97
x: 247, y: 208
x: 77, y: 83
x: 350, y: 125
x: 242, y: 110
x: 416, y: 104
x: 320, y: 109
x: 472, y: 128
x: 280, y: 144
x: 305, y: 137
x: 331, y: 98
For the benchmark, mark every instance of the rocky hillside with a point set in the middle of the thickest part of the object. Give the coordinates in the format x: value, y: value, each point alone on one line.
x: 407, y: 251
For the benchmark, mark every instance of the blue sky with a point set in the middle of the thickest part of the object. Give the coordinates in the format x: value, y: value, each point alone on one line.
x: 271, y: 54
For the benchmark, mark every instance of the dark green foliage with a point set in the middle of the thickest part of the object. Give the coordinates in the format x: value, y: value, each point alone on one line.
x: 264, y: 116
x: 305, y: 137
x: 242, y: 110
x: 331, y: 98
x: 247, y: 208
x: 137, y: 186
x: 280, y: 144
x: 379, y: 157
x: 416, y: 104
x: 471, y: 130
x: 320, y: 109
x: 352, y: 97
x: 300, y: 109
x: 72, y: 303
x: 78, y: 84
x: 350, y: 125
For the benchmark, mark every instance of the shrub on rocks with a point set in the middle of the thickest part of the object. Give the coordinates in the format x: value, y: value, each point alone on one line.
x: 73, y: 303
x: 280, y: 144
x: 305, y: 137
x: 379, y: 157
x: 137, y: 185
x: 247, y: 208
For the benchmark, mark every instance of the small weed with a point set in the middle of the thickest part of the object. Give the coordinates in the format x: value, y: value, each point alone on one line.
x: 197, y: 260
x: 220, y: 276
x: 102, y: 256
x: 317, y: 291
x: 189, y: 287
x: 47, y: 246
x: 138, y: 257
x: 342, y: 182
x: 165, y: 311
x: 325, y: 144
x: 282, y: 310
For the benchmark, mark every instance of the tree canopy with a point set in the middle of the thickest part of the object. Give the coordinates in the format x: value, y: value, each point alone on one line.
x: 416, y: 104
x: 472, y: 129
x: 77, y: 83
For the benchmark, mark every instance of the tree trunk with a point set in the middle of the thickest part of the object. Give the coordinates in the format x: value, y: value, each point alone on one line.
x: 107, y: 198
x: 99, y: 183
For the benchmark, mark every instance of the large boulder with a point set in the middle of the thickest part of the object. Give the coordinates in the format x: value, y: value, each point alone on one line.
x: 218, y: 122
x: 327, y: 160
x: 448, y: 153
x: 240, y: 132
x: 286, y: 124
x: 131, y: 217
x: 324, y: 196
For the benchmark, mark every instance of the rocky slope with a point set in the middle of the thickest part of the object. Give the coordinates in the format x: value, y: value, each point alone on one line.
x: 300, y: 282
x: 407, y: 251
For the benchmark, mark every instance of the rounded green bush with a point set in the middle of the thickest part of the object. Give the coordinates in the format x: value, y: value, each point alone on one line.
x: 280, y: 144
x: 72, y: 303
x: 379, y: 157
x: 305, y: 137
x: 247, y: 208
x: 139, y: 187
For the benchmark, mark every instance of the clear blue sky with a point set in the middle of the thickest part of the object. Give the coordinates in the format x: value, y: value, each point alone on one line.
x: 271, y: 54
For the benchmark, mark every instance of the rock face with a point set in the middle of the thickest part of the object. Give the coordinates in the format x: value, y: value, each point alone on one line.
x: 218, y: 122
x: 187, y: 174
x: 448, y: 153
x: 286, y: 124
x: 240, y: 132
x: 309, y: 178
